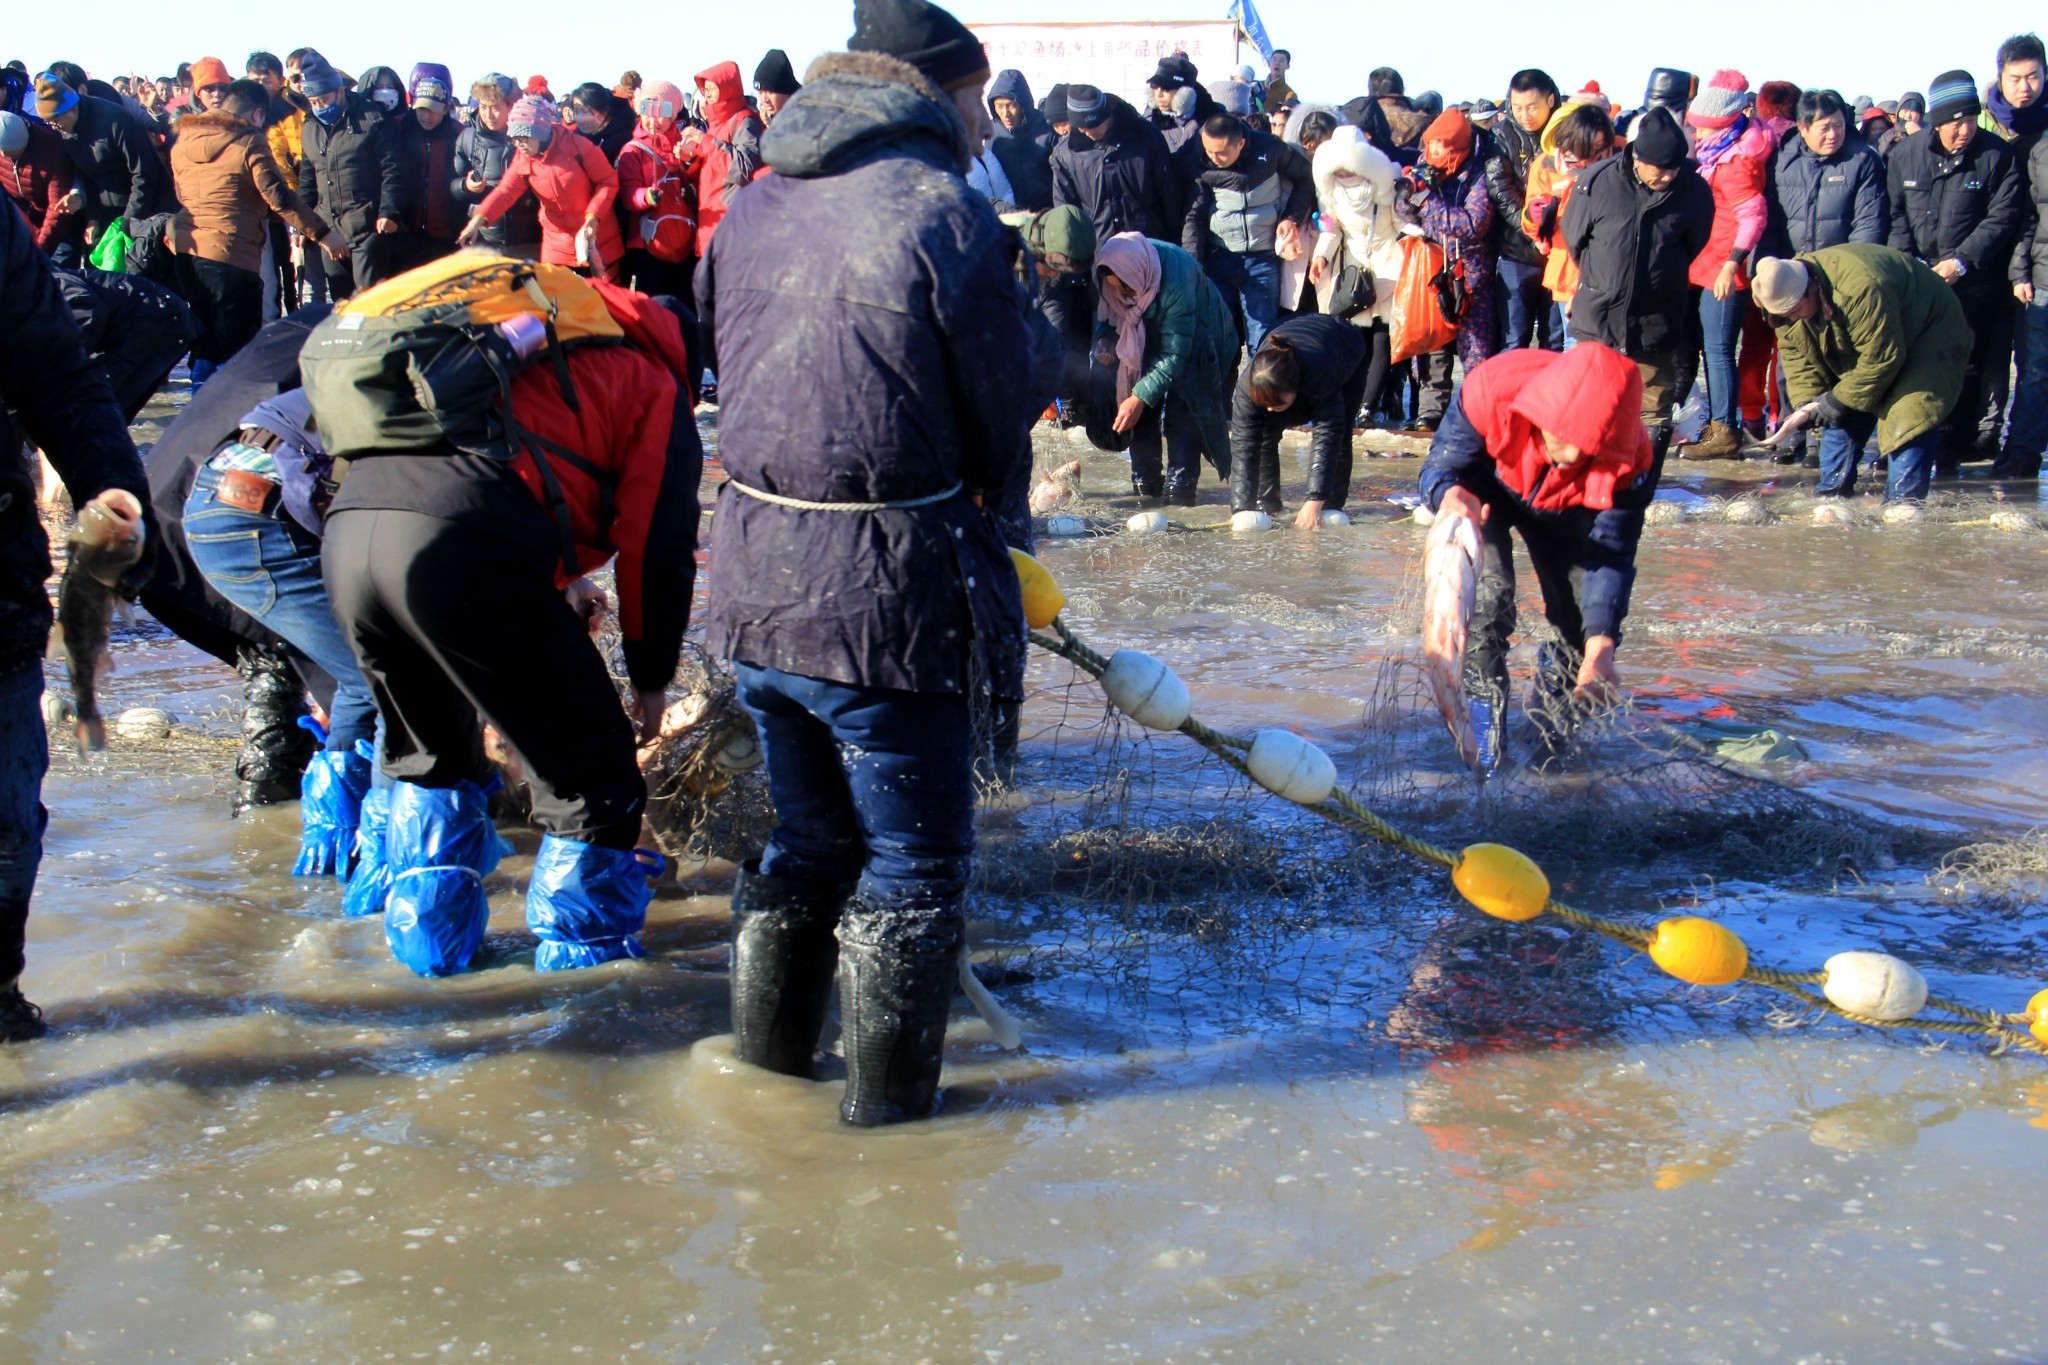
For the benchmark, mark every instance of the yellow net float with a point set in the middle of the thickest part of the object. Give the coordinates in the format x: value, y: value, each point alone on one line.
x: 1699, y: 951
x: 1502, y: 881
x: 2037, y: 1017
x: 1875, y: 985
x: 1042, y: 596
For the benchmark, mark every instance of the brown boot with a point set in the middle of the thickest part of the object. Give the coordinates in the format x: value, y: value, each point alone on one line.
x: 1717, y: 442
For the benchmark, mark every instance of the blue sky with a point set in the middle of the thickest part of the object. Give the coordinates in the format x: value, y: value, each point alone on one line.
x: 1467, y: 49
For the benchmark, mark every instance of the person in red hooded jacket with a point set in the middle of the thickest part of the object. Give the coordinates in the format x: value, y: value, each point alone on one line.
x: 1552, y: 445
x: 725, y: 153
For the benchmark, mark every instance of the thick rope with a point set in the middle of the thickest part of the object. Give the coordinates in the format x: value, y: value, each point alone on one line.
x: 1341, y: 808
x: 805, y: 505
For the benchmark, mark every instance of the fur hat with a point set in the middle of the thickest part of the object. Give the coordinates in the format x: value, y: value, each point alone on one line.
x: 1173, y: 73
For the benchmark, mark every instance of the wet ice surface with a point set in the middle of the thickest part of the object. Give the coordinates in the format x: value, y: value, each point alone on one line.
x: 1353, y: 1126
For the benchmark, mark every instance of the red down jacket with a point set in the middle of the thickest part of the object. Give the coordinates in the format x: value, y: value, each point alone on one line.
x: 728, y: 154
x: 636, y: 428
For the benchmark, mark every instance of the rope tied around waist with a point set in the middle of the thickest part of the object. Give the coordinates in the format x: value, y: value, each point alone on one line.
x: 806, y: 505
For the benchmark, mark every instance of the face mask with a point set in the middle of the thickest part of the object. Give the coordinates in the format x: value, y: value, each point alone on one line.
x: 387, y: 98
x: 585, y: 122
x: 330, y: 113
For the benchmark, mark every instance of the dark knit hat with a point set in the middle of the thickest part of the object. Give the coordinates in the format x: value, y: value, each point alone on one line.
x: 921, y: 34
x: 1950, y: 96
x: 1174, y: 73
x: 1054, y: 105
x: 1086, y: 106
x: 317, y: 75
x: 775, y: 76
x: 1659, y: 141
x: 53, y: 97
x: 1385, y: 82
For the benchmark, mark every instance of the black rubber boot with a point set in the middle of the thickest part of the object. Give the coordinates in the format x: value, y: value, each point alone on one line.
x: 275, y: 748
x: 20, y: 1021
x: 784, y: 951
x: 897, y: 969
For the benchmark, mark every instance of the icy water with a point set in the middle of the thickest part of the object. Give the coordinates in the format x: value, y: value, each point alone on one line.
x: 1359, y: 1135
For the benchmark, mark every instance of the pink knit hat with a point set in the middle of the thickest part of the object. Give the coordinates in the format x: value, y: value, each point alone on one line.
x: 1720, y: 101
x: 659, y: 94
x: 531, y: 117
x: 1594, y: 96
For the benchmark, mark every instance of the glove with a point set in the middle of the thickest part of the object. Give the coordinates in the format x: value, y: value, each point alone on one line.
x: 1830, y: 410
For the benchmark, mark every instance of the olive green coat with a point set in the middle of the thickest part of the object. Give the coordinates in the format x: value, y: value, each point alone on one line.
x: 1191, y: 349
x: 1892, y: 341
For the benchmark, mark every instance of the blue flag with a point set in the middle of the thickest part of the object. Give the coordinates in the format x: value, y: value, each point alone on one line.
x: 1251, y: 26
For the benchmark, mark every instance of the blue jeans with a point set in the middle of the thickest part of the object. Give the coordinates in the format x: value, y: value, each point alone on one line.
x: 1529, y: 316
x: 869, y: 783
x: 1909, y: 467
x: 24, y: 758
x: 1720, y: 329
x: 269, y: 566
x: 2029, y: 435
x: 1260, y: 295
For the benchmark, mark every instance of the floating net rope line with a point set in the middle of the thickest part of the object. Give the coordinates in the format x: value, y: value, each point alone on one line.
x: 1869, y: 988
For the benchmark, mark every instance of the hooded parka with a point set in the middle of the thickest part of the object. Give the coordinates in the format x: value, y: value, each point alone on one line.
x: 728, y: 157
x: 1024, y: 152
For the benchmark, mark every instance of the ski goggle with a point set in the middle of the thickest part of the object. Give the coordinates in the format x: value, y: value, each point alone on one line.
x: 651, y: 107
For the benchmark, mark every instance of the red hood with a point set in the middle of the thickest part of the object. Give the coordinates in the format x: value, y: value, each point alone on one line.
x: 650, y: 327
x: 1591, y: 396
x: 732, y: 97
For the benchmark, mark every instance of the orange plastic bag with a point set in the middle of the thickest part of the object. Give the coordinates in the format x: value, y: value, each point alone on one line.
x: 1420, y: 326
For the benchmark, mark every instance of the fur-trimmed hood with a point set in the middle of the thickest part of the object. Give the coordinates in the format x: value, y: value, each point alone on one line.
x: 855, y: 105
x: 208, y: 136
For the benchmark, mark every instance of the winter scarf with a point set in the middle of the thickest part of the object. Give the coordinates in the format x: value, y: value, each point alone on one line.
x: 2027, y: 122
x: 1710, y: 150
x: 1454, y: 130
x: 1133, y: 259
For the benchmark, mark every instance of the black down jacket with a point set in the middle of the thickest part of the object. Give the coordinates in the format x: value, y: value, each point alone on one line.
x: 349, y: 169
x: 50, y: 393
x: 123, y: 177
x: 1331, y: 352
x: 1966, y: 206
x: 872, y: 348
x: 489, y: 154
x: 1816, y: 203
x: 1634, y: 248
x: 1126, y: 182
x: 2030, y: 258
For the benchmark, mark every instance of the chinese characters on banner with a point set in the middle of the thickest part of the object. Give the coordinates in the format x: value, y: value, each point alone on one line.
x: 1116, y: 57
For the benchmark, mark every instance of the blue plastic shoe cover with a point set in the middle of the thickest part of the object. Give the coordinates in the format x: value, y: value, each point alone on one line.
x: 439, y: 848
x: 586, y: 903
x: 370, y: 882
x: 330, y: 808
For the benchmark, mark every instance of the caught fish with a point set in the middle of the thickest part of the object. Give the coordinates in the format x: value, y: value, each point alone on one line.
x: 1056, y: 489
x: 1797, y: 421
x: 106, y: 543
x: 1450, y: 581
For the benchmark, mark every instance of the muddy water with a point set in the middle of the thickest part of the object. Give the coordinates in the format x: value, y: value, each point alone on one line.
x: 255, y: 1137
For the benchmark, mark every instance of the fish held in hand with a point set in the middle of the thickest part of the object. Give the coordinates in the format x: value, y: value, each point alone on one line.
x: 104, y: 545
x: 1450, y: 578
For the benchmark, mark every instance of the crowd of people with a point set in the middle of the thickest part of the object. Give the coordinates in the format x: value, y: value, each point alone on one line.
x: 1537, y: 283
